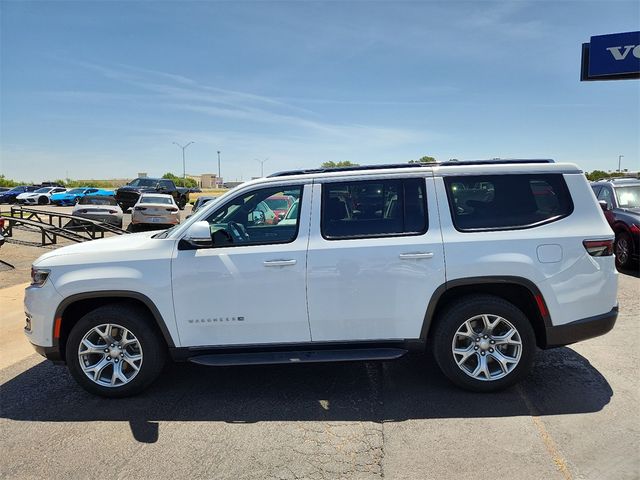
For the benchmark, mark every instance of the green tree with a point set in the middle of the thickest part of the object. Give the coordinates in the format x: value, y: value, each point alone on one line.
x: 424, y: 159
x: 345, y: 163
x: 179, y: 181
x: 598, y: 174
x: 6, y: 182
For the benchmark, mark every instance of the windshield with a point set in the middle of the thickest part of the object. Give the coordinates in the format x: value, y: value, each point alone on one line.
x: 628, y: 197
x: 143, y: 182
x: 43, y: 190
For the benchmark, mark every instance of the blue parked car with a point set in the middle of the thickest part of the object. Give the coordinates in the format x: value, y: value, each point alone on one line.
x: 71, y: 197
x: 10, y: 195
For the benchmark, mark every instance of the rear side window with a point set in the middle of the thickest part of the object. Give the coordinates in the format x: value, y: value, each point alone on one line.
x: 499, y: 202
x: 373, y: 208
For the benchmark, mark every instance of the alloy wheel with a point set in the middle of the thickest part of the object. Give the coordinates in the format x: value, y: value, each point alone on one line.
x: 487, y: 347
x: 110, y: 355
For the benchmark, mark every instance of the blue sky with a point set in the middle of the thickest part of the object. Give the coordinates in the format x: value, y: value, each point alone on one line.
x: 101, y: 89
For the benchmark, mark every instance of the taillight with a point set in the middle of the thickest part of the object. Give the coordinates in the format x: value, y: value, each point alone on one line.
x: 599, y: 248
x: 140, y: 208
x: 172, y: 209
x: 112, y: 212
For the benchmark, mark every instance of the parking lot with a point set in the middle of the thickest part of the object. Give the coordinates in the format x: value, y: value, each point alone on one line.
x: 575, y: 417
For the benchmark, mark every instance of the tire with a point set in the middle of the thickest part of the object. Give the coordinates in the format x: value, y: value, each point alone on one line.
x: 452, y: 330
x: 623, y: 249
x: 182, y: 202
x: 133, y: 228
x: 42, y: 200
x: 109, y: 321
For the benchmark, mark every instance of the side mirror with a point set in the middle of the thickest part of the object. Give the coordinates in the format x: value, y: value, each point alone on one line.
x: 257, y: 217
x: 604, y: 205
x: 199, y: 235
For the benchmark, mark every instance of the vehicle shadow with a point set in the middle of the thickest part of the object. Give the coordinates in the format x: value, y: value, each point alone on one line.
x: 634, y: 271
x: 563, y: 382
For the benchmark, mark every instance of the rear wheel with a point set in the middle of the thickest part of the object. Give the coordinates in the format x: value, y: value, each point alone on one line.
x: 623, y: 249
x: 114, y: 351
x: 484, y: 343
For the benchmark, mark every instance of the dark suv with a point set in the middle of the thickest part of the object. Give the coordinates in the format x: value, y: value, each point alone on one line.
x: 620, y: 200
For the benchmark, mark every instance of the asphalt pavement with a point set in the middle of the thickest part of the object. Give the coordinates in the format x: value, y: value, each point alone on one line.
x: 575, y: 417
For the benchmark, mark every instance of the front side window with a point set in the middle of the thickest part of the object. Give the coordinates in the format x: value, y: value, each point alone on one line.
x: 605, y: 195
x: 249, y: 220
x: 498, y: 202
x: 373, y: 208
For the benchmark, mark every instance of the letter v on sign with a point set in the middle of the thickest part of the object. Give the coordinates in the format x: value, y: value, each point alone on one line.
x: 615, y: 51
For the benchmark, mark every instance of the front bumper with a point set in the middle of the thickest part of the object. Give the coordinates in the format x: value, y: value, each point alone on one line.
x: 579, y: 330
x: 50, y: 353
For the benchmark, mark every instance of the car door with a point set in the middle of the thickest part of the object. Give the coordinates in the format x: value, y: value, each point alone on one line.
x: 249, y: 288
x: 375, y: 258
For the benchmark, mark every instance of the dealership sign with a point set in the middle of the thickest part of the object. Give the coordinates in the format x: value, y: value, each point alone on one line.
x: 611, y: 57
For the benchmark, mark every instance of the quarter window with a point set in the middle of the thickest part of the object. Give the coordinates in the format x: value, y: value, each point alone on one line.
x: 496, y: 202
x: 373, y: 208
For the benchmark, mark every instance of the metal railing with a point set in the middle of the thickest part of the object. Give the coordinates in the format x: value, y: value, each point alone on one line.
x: 52, y: 225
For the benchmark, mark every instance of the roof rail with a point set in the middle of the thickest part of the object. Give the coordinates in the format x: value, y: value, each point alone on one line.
x: 496, y: 161
x: 618, y: 179
x: 449, y: 163
x: 348, y: 169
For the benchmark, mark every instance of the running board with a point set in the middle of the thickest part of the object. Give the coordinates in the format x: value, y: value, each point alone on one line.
x: 309, y: 356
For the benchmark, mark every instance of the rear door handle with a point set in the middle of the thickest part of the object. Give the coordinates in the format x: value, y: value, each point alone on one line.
x: 416, y: 255
x: 278, y: 263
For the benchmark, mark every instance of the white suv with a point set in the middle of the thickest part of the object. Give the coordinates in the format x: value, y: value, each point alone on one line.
x: 479, y: 262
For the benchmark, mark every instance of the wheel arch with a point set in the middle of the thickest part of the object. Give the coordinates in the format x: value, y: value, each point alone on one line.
x: 620, y: 226
x: 72, y: 308
x: 523, y: 293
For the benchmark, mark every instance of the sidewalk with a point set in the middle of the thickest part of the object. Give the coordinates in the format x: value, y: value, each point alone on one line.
x: 14, y: 347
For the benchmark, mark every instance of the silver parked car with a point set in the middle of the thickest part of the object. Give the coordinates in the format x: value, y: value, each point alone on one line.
x: 99, y: 207
x: 156, y: 210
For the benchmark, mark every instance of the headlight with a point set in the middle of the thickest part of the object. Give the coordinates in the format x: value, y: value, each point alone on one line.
x: 38, y: 276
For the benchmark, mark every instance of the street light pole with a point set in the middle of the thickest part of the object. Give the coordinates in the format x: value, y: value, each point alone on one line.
x: 262, y: 166
x: 184, y: 169
x: 219, y: 174
x: 619, y: 162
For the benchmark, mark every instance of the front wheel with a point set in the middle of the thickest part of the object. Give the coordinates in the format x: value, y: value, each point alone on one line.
x: 483, y: 343
x: 42, y: 200
x: 114, y: 351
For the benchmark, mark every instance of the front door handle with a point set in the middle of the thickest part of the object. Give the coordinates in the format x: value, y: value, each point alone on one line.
x: 416, y: 255
x: 278, y: 263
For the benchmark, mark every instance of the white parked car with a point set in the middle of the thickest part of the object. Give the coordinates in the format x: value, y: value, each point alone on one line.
x: 156, y: 210
x: 480, y: 262
x: 42, y: 196
x: 99, y: 207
